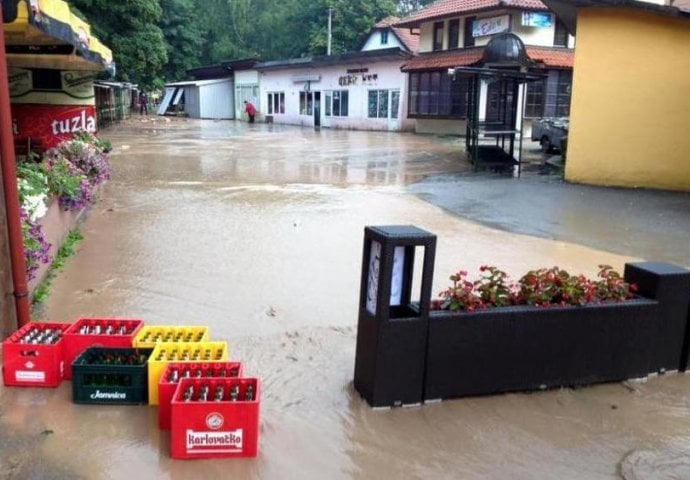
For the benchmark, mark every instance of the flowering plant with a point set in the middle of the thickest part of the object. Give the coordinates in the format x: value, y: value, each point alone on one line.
x: 75, y: 168
x: 542, y: 287
x: 71, y: 171
x: 36, y: 248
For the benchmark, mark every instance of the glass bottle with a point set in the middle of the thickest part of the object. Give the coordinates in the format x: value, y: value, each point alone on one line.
x: 249, y: 393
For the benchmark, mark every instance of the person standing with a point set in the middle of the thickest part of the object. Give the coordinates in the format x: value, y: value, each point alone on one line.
x: 251, y: 110
x: 143, y: 104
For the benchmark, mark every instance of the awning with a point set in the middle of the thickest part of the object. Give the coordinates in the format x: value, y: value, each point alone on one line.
x: 46, y: 34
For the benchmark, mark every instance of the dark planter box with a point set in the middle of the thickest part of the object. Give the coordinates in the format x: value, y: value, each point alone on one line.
x: 670, y: 286
x: 529, y: 348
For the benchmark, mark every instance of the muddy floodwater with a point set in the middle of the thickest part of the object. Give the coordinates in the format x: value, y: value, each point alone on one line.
x: 256, y: 231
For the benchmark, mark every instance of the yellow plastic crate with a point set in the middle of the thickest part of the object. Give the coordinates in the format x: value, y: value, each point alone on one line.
x: 150, y: 336
x: 164, y: 353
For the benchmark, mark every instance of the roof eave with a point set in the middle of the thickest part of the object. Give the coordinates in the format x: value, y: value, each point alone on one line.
x: 416, y: 23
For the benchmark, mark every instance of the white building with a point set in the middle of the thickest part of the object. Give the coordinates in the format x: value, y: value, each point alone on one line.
x: 200, y: 99
x: 360, y: 90
x: 363, y: 90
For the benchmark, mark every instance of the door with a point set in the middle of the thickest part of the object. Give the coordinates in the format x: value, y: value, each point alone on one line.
x: 394, y: 110
x: 316, y: 101
x: 327, y: 105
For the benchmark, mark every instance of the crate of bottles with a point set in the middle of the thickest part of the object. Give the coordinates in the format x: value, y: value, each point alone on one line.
x: 149, y: 336
x: 33, y: 355
x: 98, y: 332
x: 215, y: 418
x: 165, y: 353
x: 175, y: 371
x: 105, y: 375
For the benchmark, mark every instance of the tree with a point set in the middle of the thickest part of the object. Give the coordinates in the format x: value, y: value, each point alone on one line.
x: 406, y: 7
x: 129, y: 28
x: 352, y: 20
x: 184, y: 37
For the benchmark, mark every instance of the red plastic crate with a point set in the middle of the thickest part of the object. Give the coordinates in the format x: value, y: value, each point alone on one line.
x: 215, y: 429
x: 166, y: 387
x: 76, y: 343
x: 33, y: 365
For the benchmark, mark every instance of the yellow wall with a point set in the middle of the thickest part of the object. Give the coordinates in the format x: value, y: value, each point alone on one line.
x: 630, y: 111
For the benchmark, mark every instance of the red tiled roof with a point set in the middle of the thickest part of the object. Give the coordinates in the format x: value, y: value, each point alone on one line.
x: 411, y: 41
x: 552, y: 57
x: 549, y: 57
x: 387, y: 22
x: 449, y: 8
x: 446, y: 59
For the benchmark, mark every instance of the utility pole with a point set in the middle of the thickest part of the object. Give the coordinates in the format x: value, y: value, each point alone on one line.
x: 328, y: 47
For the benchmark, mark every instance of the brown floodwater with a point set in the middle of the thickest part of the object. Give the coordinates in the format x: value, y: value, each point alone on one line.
x: 256, y: 231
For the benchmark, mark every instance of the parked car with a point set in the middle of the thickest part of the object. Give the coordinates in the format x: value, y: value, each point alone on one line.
x: 551, y: 133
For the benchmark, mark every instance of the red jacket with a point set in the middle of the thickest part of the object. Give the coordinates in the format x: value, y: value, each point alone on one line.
x: 250, y: 109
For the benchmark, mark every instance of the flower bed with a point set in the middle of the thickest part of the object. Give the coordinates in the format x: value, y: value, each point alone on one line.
x: 54, y: 193
x: 548, y: 329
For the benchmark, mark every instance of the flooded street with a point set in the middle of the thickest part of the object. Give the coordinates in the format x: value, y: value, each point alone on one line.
x: 256, y: 231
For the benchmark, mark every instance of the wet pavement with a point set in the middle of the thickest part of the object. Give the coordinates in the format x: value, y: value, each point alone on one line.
x: 256, y: 231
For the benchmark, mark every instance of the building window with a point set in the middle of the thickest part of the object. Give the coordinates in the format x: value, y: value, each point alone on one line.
x: 395, y: 103
x: 550, y: 97
x: 438, y: 95
x: 534, y: 103
x: 560, y: 37
x: 337, y: 103
x: 306, y: 106
x: 384, y: 37
x: 378, y: 103
x: 453, y: 33
x: 468, y: 38
x: 561, y: 100
x: 438, y: 36
x: 276, y: 103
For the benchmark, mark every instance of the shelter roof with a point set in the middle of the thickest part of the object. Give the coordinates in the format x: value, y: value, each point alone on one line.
x: 49, y: 35
x: 453, y: 8
x: 197, y: 83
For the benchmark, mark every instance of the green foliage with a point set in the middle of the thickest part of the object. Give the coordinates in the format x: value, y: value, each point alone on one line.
x: 33, y: 180
x: 63, y: 180
x: 130, y: 29
x: 66, y: 250
x: 184, y: 36
x: 158, y: 40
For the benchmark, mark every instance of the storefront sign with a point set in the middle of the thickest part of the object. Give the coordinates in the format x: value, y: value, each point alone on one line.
x: 365, y: 79
x: 78, y: 84
x: 52, y: 124
x: 537, y: 19
x: 21, y: 81
x: 490, y: 26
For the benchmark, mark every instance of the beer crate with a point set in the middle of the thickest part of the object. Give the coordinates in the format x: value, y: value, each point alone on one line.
x: 215, y: 428
x: 150, y: 335
x: 111, y: 376
x: 175, y: 371
x: 28, y: 364
x: 98, y: 332
x: 184, y: 352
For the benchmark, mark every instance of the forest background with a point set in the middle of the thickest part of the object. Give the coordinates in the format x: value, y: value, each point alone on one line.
x: 157, y: 41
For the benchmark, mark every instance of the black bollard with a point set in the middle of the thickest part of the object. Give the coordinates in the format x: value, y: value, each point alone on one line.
x: 392, y: 329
